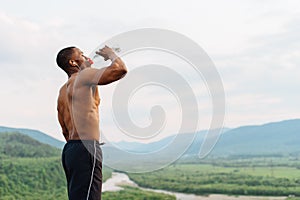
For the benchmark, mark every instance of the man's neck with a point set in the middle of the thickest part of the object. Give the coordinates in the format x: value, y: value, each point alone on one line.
x: 72, y: 74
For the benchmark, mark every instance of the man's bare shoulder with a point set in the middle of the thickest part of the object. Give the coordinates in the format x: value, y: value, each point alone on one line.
x: 88, y: 76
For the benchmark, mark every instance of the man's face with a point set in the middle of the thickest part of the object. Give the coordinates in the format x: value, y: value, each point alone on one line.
x: 81, y: 60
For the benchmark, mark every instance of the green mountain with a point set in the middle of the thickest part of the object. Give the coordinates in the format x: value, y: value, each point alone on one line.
x: 15, y: 144
x: 30, y: 169
x: 38, y: 135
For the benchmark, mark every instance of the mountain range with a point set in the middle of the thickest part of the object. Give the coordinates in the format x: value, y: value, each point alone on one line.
x: 268, y: 139
x: 274, y: 138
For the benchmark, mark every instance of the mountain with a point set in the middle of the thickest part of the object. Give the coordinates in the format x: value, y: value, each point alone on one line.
x: 282, y: 138
x: 136, y: 147
x: 13, y: 144
x: 38, y: 135
x: 30, y: 169
x: 268, y: 139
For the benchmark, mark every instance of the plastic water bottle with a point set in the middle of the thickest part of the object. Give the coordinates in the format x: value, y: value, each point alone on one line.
x: 99, y: 60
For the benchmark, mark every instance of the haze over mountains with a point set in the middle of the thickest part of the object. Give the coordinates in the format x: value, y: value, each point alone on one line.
x: 277, y: 138
x: 268, y: 139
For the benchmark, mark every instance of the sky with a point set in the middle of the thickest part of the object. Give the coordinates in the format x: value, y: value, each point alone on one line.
x: 254, y: 45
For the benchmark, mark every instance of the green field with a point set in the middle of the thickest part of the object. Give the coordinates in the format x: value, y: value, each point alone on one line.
x: 131, y: 193
x: 36, y: 178
x: 232, y: 177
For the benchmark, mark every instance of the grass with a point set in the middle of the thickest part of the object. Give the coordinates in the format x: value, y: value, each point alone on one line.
x: 131, y: 193
x: 106, y: 173
x: 274, y: 171
x: 43, y: 178
x: 231, y: 179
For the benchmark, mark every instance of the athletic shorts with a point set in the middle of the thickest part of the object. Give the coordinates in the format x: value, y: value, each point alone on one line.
x: 82, y: 163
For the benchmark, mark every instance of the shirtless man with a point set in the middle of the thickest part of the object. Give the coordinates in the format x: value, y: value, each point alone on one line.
x: 78, y: 116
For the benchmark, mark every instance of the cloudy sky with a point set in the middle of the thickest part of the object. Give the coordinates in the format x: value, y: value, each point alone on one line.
x: 254, y: 44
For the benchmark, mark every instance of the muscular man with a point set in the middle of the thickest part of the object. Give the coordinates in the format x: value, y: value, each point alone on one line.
x: 78, y: 116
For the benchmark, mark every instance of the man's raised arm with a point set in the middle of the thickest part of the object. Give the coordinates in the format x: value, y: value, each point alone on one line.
x: 106, y: 75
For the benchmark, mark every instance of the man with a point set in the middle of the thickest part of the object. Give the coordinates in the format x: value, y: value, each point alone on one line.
x: 78, y: 116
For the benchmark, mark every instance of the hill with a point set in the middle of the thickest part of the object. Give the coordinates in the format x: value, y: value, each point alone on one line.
x: 38, y: 135
x: 29, y: 169
x: 15, y: 144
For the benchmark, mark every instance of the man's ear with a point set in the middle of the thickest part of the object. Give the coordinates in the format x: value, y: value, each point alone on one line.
x: 73, y: 63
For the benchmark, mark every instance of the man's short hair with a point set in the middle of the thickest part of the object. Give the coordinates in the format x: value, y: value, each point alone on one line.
x: 63, y: 57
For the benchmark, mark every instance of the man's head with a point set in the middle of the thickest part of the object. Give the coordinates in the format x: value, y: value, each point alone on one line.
x: 71, y: 60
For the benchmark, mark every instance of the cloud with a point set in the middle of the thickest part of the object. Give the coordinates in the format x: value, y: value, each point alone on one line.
x: 264, y: 77
x: 28, y: 73
x: 254, y: 44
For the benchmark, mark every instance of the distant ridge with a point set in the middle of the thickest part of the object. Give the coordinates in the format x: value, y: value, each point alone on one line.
x: 275, y: 138
x: 35, y: 134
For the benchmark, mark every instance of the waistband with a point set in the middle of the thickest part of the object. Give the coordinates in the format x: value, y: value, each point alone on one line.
x: 84, y: 142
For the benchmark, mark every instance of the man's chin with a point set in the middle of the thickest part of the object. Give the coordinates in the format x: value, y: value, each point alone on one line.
x: 87, y: 64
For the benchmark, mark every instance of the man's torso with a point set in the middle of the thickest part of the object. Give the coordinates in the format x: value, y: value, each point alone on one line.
x: 78, y: 107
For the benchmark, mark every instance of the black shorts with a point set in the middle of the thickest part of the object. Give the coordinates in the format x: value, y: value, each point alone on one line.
x: 82, y: 162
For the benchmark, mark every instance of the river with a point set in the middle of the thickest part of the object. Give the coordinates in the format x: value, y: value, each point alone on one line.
x: 119, y: 179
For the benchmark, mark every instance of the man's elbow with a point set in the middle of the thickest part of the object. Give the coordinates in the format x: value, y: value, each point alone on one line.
x: 123, y: 71
x: 117, y: 74
x: 121, y: 66
x: 118, y: 71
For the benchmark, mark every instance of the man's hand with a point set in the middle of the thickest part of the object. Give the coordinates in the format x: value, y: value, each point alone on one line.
x: 107, y: 53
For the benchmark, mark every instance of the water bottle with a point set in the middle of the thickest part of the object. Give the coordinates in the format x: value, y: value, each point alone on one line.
x: 99, y: 60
